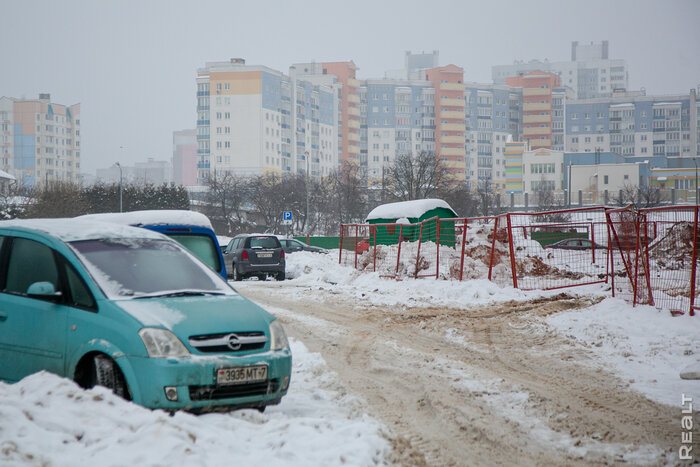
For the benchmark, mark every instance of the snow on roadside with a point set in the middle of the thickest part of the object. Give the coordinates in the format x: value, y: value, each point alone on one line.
x: 47, y: 420
x: 649, y: 348
x: 323, y: 272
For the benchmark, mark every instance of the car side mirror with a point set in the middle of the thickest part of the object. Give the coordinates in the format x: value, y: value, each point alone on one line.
x: 43, y: 290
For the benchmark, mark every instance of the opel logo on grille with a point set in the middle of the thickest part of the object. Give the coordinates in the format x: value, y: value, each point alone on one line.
x: 233, y: 342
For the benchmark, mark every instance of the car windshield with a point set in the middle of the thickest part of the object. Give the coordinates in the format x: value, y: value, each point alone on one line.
x: 264, y: 242
x: 202, y: 246
x: 138, y: 267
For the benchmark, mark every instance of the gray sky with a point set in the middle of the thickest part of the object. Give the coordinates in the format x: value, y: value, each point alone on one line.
x: 132, y: 64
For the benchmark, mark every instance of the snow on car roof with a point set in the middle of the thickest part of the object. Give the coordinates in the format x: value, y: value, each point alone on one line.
x: 153, y: 217
x: 74, y: 229
x: 415, y: 208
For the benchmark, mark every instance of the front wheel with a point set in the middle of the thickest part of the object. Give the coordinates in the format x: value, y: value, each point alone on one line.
x: 108, y: 374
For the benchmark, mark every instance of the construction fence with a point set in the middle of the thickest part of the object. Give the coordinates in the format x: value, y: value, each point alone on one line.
x: 648, y: 256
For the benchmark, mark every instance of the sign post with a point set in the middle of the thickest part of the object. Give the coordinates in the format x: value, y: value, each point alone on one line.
x: 287, y: 219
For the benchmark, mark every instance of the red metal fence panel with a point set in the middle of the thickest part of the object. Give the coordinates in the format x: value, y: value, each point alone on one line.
x: 558, y: 249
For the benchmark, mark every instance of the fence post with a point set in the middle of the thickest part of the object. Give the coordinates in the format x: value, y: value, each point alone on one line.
x: 398, y: 253
x: 461, y: 258
x: 580, y: 197
x: 512, y: 252
x: 527, y: 200
x: 437, y: 258
x: 374, y: 252
x: 340, y: 251
x: 606, y: 197
x: 357, y: 232
x: 694, y: 265
x: 673, y: 196
x: 512, y: 200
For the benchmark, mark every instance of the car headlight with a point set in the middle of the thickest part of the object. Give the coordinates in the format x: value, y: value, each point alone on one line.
x: 161, y: 343
x: 278, y: 338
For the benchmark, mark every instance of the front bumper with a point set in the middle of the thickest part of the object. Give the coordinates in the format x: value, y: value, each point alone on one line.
x: 194, y: 378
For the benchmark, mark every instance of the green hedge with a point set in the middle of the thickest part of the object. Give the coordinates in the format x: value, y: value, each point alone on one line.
x: 329, y: 243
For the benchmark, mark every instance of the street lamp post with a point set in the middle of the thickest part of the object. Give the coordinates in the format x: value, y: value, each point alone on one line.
x: 120, y: 185
x: 306, y: 219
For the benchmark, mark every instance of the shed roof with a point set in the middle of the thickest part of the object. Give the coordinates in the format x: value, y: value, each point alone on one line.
x: 414, y: 208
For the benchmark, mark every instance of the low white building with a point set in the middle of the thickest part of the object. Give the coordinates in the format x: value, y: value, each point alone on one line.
x: 543, y: 170
x: 594, y: 180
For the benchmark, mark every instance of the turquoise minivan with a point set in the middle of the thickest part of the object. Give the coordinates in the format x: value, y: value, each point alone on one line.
x: 132, y: 310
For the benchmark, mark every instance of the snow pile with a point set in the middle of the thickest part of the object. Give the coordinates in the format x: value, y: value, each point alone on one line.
x: 648, y: 348
x: 47, y: 420
x: 323, y: 272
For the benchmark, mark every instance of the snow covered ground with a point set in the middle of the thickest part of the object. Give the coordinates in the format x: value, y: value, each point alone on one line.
x: 46, y: 420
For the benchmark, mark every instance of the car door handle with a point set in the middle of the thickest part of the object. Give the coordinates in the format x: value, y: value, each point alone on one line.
x: 3, y: 316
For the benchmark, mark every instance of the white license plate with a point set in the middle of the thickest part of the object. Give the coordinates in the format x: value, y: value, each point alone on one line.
x: 264, y: 255
x: 241, y: 374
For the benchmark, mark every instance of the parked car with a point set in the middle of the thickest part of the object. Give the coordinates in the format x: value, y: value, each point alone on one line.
x: 192, y: 229
x: 258, y: 255
x: 132, y: 310
x: 290, y: 245
x: 574, y: 244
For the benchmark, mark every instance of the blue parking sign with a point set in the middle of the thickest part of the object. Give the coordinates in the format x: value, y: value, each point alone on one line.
x: 286, y: 215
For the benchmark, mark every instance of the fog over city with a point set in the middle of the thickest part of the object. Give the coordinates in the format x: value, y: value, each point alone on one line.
x: 132, y: 64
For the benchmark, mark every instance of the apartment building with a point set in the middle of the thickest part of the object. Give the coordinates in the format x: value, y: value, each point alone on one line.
x: 450, y: 114
x: 185, y: 157
x: 633, y: 124
x: 39, y: 140
x: 590, y: 73
x: 253, y: 120
x: 399, y: 117
x: 493, y: 117
x: 537, y: 88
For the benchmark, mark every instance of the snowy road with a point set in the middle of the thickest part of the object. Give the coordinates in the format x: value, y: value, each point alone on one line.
x: 489, y: 384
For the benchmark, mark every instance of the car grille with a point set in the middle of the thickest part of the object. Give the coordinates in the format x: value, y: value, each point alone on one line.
x: 203, y: 393
x: 217, y: 343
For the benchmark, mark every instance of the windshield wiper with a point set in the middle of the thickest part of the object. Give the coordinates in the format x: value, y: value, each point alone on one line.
x: 179, y: 293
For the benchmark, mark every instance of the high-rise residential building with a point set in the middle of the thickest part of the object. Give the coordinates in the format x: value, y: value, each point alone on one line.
x: 342, y: 75
x: 185, y: 157
x: 39, y: 140
x: 254, y: 120
x: 450, y: 129
x: 399, y: 117
x: 537, y: 88
x: 493, y: 117
x: 415, y: 65
x: 632, y: 124
x: 590, y: 73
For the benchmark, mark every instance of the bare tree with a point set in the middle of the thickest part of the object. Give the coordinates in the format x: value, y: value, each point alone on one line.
x: 461, y: 198
x: 347, y: 194
x: 639, y: 196
x: 224, y: 201
x: 417, y: 177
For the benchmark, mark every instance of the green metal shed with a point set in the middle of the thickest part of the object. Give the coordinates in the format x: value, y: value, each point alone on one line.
x: 410, y: 214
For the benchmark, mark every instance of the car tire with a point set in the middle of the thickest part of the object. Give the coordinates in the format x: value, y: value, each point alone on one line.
x: 108, y: 374
x: 280, y: 276
x: 236, y: 275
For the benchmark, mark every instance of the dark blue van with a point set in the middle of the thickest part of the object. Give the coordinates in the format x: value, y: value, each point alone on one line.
x: 191, y: 229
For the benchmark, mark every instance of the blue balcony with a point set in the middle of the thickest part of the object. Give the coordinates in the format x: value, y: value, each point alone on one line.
x: 203, y: 165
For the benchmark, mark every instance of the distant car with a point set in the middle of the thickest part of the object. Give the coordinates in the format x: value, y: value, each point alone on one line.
x: 191, y: 229
x: 575, y: 244
x: 134, y: 311
x: 254, y: 255
x: 289, y: 245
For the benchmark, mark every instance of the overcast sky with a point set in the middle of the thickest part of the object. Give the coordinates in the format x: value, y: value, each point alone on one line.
x: 132, y: 64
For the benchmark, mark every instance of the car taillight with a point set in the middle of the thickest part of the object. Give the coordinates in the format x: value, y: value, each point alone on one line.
x: 282, y: 254
x: 244, y: 255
